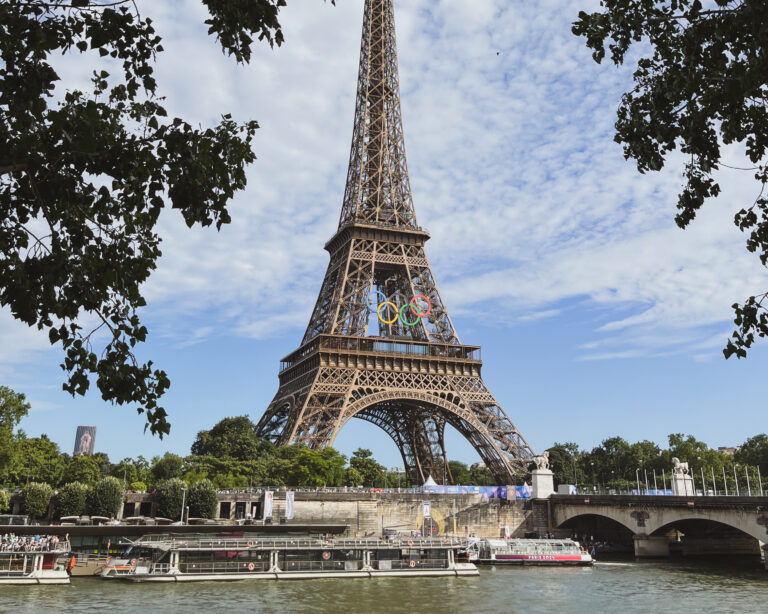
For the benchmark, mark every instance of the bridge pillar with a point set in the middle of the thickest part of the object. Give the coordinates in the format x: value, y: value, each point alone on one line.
x: 765, y: 556
x: 651, y: 546
x: 543, y: 483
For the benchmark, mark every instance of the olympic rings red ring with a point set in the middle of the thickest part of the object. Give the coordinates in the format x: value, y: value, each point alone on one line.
x: 413, y: 306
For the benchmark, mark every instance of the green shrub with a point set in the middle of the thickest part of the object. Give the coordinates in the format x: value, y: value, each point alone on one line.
x: 203, y: 502
x: 36, y: 498
x: 71, y: 499
x: 5, y: 501
x: 106, y: 497
x: 169, y: 498
x: 138, y: 486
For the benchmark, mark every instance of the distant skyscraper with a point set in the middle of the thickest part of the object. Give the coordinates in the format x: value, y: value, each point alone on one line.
x: 84, y: 439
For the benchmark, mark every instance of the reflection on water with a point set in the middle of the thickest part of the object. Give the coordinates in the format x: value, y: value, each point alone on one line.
x: 616, y: 585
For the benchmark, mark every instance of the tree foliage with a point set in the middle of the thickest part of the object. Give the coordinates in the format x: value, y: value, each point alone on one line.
x: 39, y: 459
x: 203, y: 502
x: 85, y: 174
x: 754, y: 451
x: 5, y: 501
x: 372, y: 472
x: 459, y: 472
x: 167, y: 467
x: 82, y: 468
x: 71, y: 499
x: 106, y: 498
x: 231, y: 437
x: 36, y: 497
x: 169, y: 498
x: 13, y: 407
x: 701, y: 85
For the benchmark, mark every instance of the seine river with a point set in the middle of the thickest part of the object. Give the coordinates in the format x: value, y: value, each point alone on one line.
x: 620, y: 586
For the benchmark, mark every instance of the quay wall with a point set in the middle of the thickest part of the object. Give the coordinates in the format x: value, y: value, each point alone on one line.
x: 368, y: 513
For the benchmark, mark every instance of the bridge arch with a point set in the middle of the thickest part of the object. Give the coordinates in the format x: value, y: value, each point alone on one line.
x: 699, y: 524
x: 594, y: 524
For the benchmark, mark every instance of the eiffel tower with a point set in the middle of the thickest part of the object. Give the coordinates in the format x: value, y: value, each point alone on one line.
x: 380, y: 345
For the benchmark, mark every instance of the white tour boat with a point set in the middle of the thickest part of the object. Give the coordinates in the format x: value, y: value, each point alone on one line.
x: 185, y: 558
x: 528, y: 552
x: 33, y: 562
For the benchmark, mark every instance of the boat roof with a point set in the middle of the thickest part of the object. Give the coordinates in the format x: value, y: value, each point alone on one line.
x: 255, y: 542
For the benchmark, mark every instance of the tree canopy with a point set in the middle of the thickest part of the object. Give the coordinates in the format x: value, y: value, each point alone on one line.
x: 700, y: 84
x: 84, y: 175
x: 13, y: 407
x: 232, y: 437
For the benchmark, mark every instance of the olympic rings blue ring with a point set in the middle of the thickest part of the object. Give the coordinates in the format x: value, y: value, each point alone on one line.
x: 375, y: 291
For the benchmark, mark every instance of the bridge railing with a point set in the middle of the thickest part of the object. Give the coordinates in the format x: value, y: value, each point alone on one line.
x: 652, y: 492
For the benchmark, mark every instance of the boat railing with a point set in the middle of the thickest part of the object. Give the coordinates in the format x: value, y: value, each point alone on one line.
x: 165, y: 542
x: 60, y: 548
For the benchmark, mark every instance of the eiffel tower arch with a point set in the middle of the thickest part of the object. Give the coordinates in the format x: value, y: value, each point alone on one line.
x: 380, y: 345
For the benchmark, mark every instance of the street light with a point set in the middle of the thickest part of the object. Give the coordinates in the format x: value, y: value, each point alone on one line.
x: 749, y: 488
x: 637, y: 477
x: 735, y: 477
x: 183, y: 501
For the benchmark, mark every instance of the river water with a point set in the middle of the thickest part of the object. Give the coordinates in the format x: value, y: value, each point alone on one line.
x: 620, y: 586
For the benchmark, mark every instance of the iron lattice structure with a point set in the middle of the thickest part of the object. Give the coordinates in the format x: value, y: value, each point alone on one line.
x: 408, y: 379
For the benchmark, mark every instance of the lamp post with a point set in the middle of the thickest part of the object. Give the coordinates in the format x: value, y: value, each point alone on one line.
x: 725, y: 482
x: 760, y: 479
x: 637, y: 477
x: 735, y: 477
x: 645, y: 472
x: 183, y: 501
x: 714, y: 484
x: 749, y: 488
x: 664, y: 479
x: 703, y: 483
x: 655, y: 487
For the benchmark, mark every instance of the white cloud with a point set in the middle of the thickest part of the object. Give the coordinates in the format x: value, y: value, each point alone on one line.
x: 509, y: 129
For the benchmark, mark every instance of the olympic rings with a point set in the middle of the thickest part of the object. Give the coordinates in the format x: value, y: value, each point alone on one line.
x: 415, y: 304
x: 402, y: 318
x: 386, y: 304
x: 413, y: 307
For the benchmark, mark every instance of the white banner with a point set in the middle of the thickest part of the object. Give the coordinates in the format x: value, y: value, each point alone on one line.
x: 427, y: 510
x: 289, y: 505
x: 268, y: 503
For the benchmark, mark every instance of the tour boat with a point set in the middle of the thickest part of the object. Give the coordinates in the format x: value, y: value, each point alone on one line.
x: 184, y: 558
x: 528, y: 552
x: 34, y: 565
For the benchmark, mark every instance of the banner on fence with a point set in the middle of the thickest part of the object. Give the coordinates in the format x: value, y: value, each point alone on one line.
x: 289, y: 505
x: 268, y: 495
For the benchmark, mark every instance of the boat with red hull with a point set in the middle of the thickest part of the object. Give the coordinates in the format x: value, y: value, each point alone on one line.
x: 528, y: 552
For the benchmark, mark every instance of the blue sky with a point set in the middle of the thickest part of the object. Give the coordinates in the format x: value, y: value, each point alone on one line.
x: 597, y: 316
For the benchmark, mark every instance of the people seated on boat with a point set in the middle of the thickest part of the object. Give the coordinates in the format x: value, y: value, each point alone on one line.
x: 20, y: 543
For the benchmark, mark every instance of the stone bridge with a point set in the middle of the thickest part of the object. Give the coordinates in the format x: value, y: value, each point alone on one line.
x: 661, y: 525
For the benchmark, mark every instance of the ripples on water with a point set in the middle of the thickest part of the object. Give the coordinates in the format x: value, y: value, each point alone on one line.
x: 625, y: 587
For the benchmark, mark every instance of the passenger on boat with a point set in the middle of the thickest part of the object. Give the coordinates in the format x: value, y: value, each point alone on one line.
x: 19, y: 543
